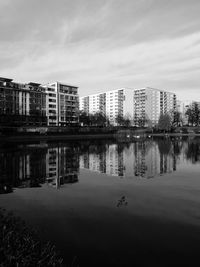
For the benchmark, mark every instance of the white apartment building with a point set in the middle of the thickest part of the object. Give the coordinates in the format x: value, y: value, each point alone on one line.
x: 143, y: 106
x: 111, y: 103
x: 62, y: 104
x: 149, y: 103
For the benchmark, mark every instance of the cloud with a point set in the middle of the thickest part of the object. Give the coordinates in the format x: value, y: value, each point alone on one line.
x: 100, y: 45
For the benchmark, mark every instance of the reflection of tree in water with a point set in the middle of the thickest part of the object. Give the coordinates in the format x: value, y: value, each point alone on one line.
x: 156, y: 157
x: 177, y: 147
x: 166, y: 152
x: 140, y: 151
x: 192, y: 152
x: 164, y: 146
x: 94, y: 146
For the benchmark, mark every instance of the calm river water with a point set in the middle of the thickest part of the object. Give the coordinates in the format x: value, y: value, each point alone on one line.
x: 106, y: 203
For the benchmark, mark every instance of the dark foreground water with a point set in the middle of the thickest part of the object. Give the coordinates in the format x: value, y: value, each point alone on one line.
x: 104, y: 203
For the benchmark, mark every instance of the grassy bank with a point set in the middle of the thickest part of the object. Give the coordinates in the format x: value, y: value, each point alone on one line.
x: 20, y: 246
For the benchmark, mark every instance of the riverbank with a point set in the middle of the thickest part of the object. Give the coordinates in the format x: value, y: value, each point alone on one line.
x: 20, y: 246
x: 29, y: 138
x: 125, y: 136
x: 30, y: 133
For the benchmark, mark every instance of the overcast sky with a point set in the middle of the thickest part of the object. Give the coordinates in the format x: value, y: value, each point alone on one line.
x: 101, y: 45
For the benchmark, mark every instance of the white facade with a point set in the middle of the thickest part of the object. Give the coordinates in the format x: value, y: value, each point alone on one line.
x: 62, y: 104
x: 142, y: 106
x: 52, y: 105
x: 111, y: 103
x: 149, y: 103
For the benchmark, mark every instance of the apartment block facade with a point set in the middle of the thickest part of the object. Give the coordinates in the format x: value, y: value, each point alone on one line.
x: 22, y: 104
x: 149, y: 103
x: 113, y: 103
x: 62, y: 104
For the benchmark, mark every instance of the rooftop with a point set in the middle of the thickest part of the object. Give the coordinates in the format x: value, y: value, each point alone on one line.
x: 5, y: 79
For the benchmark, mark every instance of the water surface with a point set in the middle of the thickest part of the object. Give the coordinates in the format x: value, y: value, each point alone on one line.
x: 107, y: 203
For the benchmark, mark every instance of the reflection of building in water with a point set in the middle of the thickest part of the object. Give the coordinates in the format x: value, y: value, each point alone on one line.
x: 146, y: 159
x: 109, y: 161
x: 140, y: 163
x: 37, y: 166
x: 94, y: 162
x: 14, y: 168
x: 52, y: 174
x: 23, y: 168
x: 62, y: 165
x: 150, y: 161
x: 141, y: 159
x: 30, y: 166
x: 114, y: 161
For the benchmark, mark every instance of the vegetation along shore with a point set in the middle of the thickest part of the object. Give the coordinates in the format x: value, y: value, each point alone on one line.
x: 21, y: 246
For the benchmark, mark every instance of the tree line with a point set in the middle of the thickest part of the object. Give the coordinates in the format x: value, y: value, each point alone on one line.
x: 166, y: 121
x: 100, y: 119
x: 172, y: 120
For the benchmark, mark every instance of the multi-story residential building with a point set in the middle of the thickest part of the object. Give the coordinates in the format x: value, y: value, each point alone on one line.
x: 143, y: 106
x: 62, y: 104
x: 22, y: 104
x: 149, y: 103
x: 113, y: 103
x: 52, y: 105
x: 36, y: 100
x: 180, y: 109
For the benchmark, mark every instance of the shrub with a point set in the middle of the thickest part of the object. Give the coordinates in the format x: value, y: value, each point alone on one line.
x: 21, y: 246
x: 184, y: 130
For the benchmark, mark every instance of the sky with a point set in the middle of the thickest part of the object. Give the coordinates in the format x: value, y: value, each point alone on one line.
x: 101, y: 45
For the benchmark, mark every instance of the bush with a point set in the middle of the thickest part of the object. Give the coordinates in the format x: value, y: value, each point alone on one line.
x: 184, y: 130
x: 21, y: 246
x: 197, y: 130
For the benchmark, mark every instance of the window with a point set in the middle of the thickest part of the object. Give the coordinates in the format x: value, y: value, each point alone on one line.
x: 52, y: 95
x: 51, y: 89
x: 52, y: 100
x: 52, y: 117
x: 52, y: 106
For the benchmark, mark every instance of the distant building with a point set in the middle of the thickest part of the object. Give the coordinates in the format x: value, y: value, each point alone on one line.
x: 180, y: 108
x: 113, y: 103
x: 149, y: 103
x: 62, y: 104
x: 142, y: 106
x: 22, y: 104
